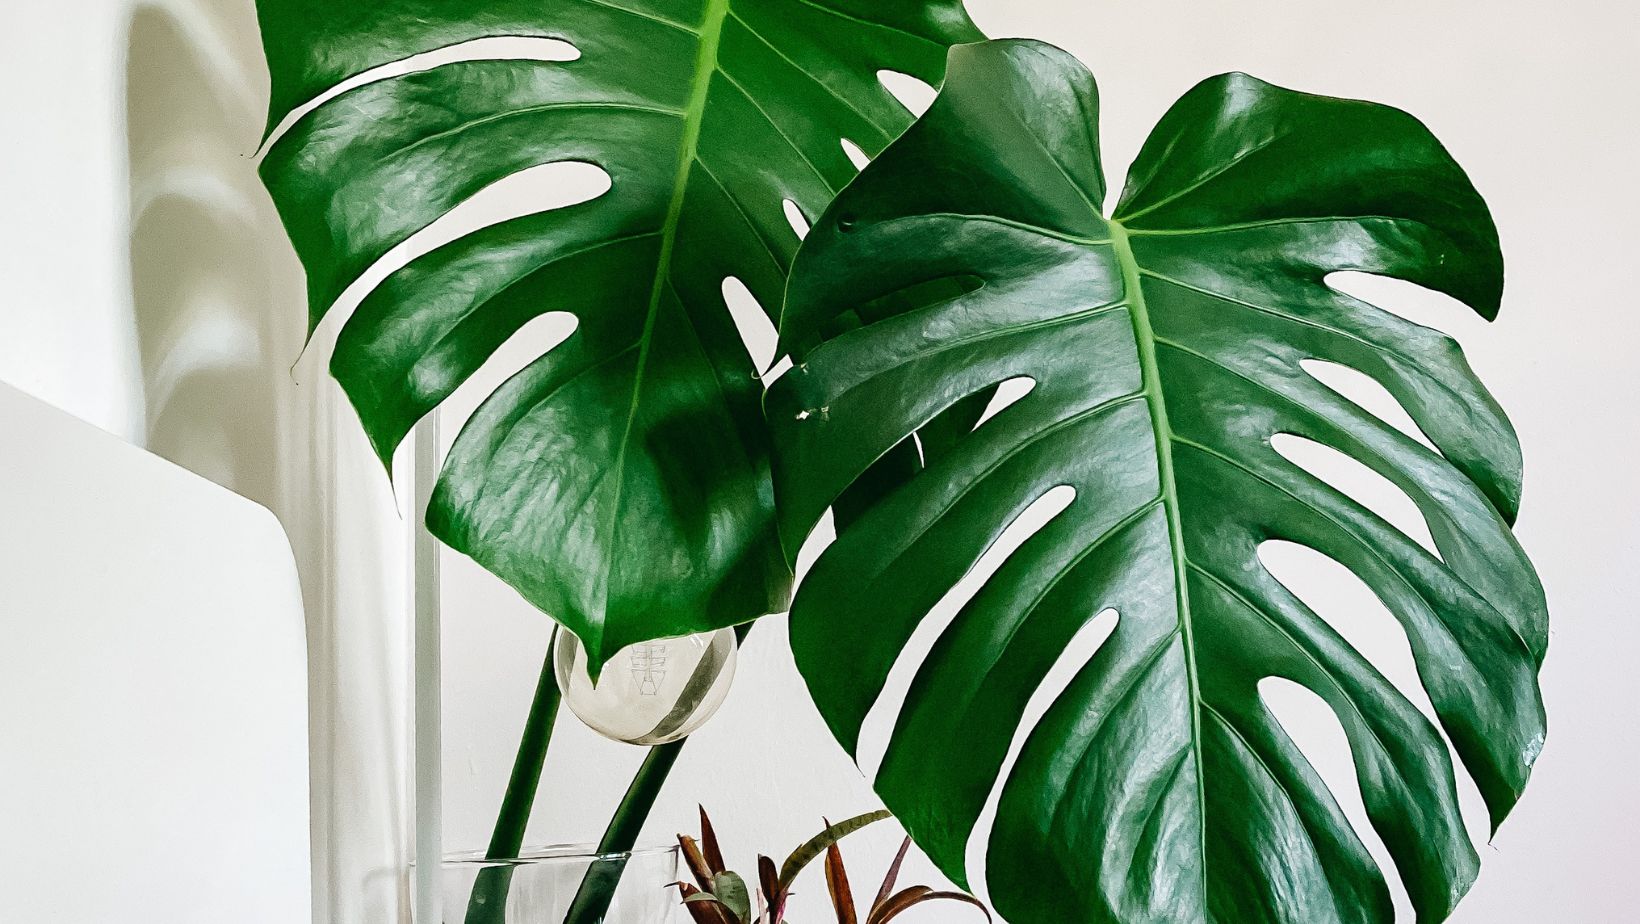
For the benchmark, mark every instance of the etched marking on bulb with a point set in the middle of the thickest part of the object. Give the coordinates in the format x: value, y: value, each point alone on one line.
x: 648, y: 665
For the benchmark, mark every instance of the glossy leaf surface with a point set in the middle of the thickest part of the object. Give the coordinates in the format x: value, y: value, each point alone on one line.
x: 620, y: 482
x: 1165, y: 345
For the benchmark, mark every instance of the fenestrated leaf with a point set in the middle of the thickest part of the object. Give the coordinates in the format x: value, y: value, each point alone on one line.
x: 620, y: 482
x: 1166, y: 345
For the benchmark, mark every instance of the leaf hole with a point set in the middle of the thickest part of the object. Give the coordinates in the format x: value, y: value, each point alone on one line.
x: 880, y: 720
x: 542, y: 188
x: 1349, y: 605
x: 495, y: 48
x: 1359, y: 482
x: 1367, y: 393
x: 819, y: 539
x: 856, y: 155
x: 914, y: 94
x: 1408, y: 301
x: 795, y: 218
x: 757, y: 332
x: 782, y: 366
x: 1083, y: 647
x: 535, y: 339
x: 1320, y: 737
x: 1007, y: 394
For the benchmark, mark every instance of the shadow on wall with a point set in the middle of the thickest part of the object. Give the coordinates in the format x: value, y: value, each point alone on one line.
x: 218, y: 303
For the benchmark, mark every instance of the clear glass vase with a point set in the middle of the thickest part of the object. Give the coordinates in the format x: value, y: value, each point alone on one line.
x: 547, y: 886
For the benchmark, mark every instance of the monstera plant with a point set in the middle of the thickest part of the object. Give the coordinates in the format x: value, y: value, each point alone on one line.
x: 1165, y: 343
x: 620, y: 482
x: 635, y: 482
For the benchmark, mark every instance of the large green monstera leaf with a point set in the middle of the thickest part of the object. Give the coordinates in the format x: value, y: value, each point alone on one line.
x: 620, y: 482
x: 1165, y: 345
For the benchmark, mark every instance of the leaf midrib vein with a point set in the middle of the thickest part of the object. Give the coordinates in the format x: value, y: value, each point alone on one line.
x: 706, y: 65
x: 1269, y: 771
x: 1145, y: 338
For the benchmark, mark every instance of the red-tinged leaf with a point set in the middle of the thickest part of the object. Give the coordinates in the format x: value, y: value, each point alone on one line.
x: 889, y: 880
x: 768, y: 877
x: 704, y: 907
x: 773, y: 891
x: 696, y: 862
x: 697, y: 911
x: 916, y: 895
x: 842, y: 897
x: 897, y: 903
x: 709, y: 844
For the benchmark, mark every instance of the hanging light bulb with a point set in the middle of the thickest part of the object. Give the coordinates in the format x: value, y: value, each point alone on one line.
x: 650, y: 693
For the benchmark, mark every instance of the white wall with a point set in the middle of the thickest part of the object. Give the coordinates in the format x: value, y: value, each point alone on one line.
x: 146, y: 286
x: 66, y: 333
x: 153, y: 689
x: 1534, y: 99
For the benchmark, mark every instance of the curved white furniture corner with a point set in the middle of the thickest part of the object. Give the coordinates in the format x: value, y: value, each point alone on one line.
x: 153, y: 690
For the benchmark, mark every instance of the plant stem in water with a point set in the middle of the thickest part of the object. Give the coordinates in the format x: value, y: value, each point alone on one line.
x: 597, y: 889
x: 488, y: 902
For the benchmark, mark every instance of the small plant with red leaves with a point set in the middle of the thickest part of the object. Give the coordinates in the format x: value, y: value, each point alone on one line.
x: 720, y: 896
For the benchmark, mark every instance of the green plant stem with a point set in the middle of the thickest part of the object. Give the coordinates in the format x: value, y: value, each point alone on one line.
x: 597, y: 889
x: 488, y: 901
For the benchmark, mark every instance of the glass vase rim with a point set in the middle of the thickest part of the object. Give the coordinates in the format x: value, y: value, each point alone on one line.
x: 552, y: 853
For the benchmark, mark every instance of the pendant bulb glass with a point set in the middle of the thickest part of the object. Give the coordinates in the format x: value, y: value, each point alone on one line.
x: 650, y: 693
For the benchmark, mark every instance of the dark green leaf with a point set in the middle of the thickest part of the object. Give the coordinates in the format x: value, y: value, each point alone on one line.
x: 1165, y: 346
x: 619, y: 482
